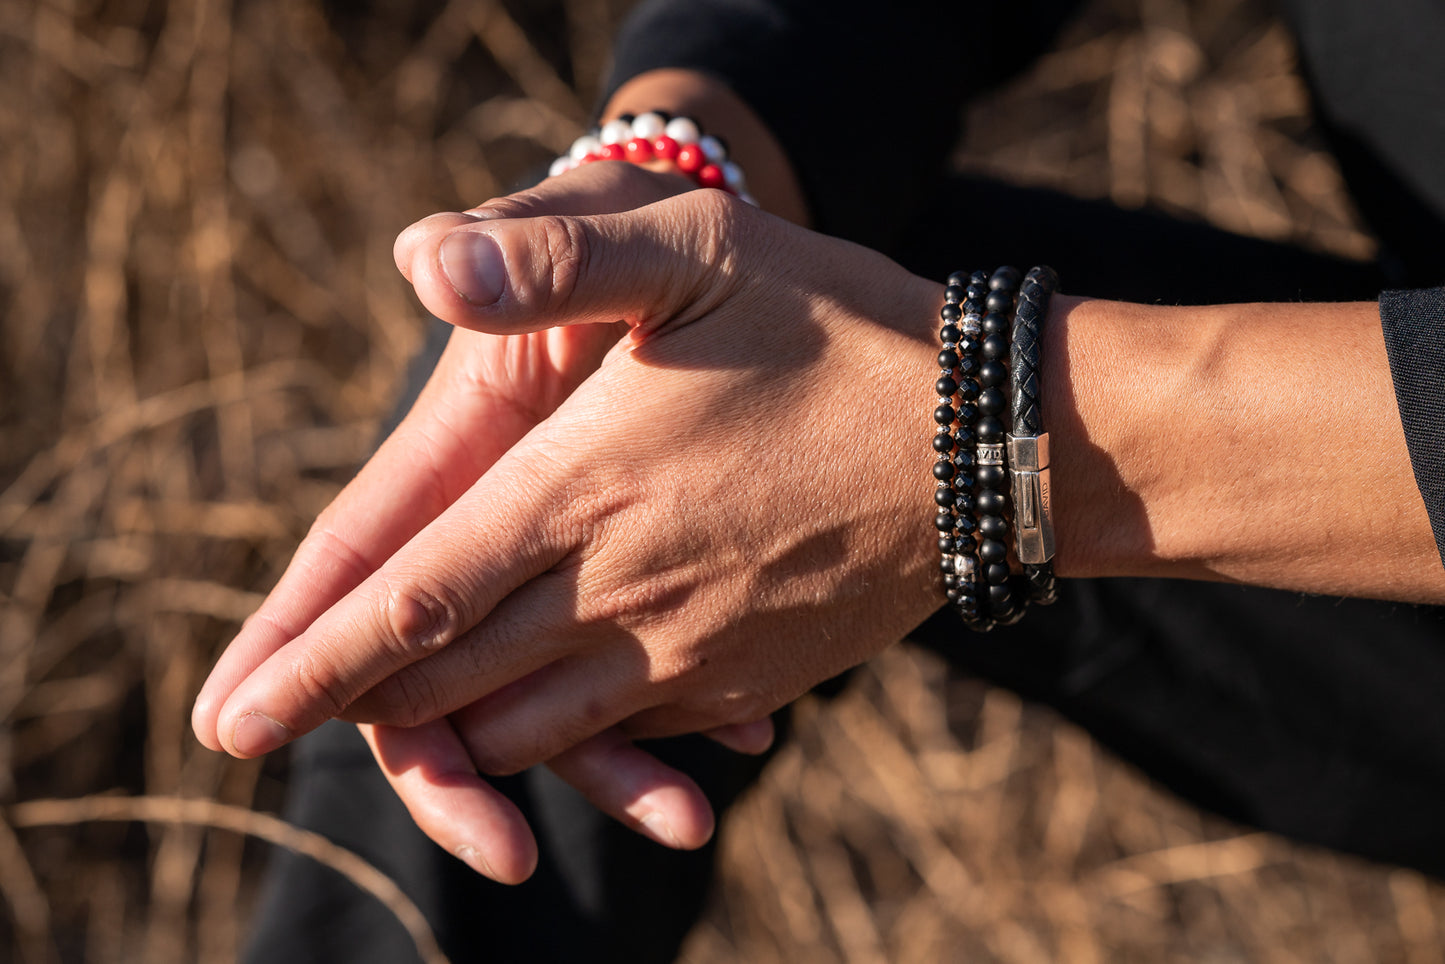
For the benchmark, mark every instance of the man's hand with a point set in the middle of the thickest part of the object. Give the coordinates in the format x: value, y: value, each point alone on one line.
x: 727, y: 512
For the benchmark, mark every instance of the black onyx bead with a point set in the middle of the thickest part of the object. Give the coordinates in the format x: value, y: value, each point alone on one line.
x: 990, y: 476
x: 988, y: 429
x: 968, y: 346
x: 627, y: 118
x: 991, y: 502
x: 973, y: 307
x: 991, y: 550
x: 959, y: 279
x: 1000, y: 597
x: 943, y: 470
x: 992, y: 373
x: 943, y: 442
x: 945, y: 386
x: 953, y: 294
x: 949, y: 579
x: 999, y: 301
x: 945, y: 543
x: 992, y: 527
x: 952, y: 593
x: 944, y: 496
x: 950, y: 313
x: 991, y: 401
x: 964, y: 501
x: 995, y: 323
x: 943, y: 522
x: 950, y: 334
x: 1004, y: 277
x: 967, y: 412
x: 963, y: 460
x: 963, y: 481
x: 944, y: 415
x: 977, y: 291
x: 966, y: 525
x: 968, y: 388
x: 968, y: 365
x: 995, y: 346
x: 946, y: 564
x: 978, y: 278
x: 995, y: 573
x: 947, y: 358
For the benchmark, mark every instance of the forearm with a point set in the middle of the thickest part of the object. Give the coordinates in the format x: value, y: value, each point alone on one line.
x: 1257, y: 443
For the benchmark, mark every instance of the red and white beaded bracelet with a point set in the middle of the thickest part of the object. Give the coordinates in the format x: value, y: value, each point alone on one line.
x: 653, y: 136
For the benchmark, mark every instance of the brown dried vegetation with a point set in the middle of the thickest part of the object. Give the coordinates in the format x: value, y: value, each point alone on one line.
x: 201, y: 328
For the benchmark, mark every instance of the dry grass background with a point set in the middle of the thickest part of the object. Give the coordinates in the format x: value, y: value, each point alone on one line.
x: 200, y: 328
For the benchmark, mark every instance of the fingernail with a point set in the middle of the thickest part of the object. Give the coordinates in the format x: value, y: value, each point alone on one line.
x: 473, y: 264
x: 473, y: 858
x: 256, y: 733
x: 661, y: 830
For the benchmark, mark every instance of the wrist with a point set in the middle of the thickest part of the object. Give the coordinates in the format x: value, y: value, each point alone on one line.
x: 689, y: 93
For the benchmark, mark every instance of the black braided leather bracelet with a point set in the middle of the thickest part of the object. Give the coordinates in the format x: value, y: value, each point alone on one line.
x: 1028, y: 443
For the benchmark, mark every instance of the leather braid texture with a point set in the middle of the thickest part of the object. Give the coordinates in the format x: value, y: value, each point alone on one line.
x: 1028, y: 418
x: 1039, y: 284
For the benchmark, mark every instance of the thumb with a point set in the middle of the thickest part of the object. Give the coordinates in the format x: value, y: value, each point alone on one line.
x: 644, y: 267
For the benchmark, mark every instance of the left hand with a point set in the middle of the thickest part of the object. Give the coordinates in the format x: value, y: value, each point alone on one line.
x: 735, y: 507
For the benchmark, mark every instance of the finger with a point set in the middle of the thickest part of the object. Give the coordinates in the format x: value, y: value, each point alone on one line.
x: 524, y: 632
x: 634, y: 787
x: 503, y: 532
x: 592, y: 189
x: 644, y: 266
x: 422, y: 468
x: 749, y: 738
x: 430, y: 771
x: 540, y: 716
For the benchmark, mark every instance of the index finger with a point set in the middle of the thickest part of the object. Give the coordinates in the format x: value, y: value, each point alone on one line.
x: 498, y: 536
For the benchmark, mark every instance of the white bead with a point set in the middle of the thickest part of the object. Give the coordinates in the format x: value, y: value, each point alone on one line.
x: 682, y: 130
x: 560, y: 166
x: 648, y: 126
x: 616, y: 132
x: 733, y: 175
x: 584, y: 145
x: 712, y: 149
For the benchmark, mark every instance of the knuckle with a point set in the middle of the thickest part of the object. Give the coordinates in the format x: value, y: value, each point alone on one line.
x: 567, y: 252
x: 418, y: 620
x: 319, y: 684
x: 409, y: 697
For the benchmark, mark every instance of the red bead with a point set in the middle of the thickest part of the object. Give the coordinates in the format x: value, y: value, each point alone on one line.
x: 638, y: 150
x: 690, y: 159
x: 711, y: 176
x: 666, y: 148
x: 614, y: 152
x: 589, y: 158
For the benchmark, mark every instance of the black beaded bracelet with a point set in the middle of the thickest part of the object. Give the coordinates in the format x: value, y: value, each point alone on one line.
x: 991, y: 472
x: 1028, y: 443
x: 955, y: 415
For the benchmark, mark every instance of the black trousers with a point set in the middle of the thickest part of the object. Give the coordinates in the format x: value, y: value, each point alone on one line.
x: 1315, y: 717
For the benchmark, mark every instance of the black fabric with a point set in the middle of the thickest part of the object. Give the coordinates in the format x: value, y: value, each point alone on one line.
x: 865, y: 101
x: 1414, y: 323
x: 1378, y: 79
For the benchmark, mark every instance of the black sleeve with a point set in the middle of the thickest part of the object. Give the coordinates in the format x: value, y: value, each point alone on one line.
x: 1414, y: 323
x: 865, y: 97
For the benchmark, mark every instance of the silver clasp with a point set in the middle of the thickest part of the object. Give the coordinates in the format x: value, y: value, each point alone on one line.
x: 1028, y: 457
